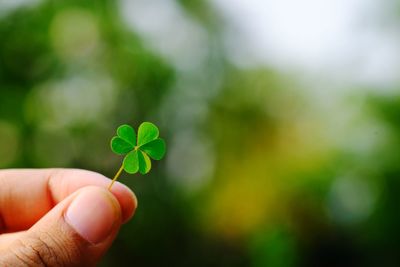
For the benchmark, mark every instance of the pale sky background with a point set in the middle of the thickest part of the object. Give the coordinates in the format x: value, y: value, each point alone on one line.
x: 352, y: 39
x: 345, y: 41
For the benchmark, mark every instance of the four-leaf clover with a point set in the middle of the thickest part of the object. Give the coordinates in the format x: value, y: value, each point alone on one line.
x: 138, y: 150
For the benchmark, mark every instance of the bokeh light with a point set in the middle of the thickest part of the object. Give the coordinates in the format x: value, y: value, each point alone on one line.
x: 74, y: 34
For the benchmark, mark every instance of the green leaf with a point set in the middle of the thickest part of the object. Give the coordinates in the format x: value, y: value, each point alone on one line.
x: 144, y: 163
x: 120, y: 146
x: 138, y: 150
x: 127, y: 133
x: 131, y: 162
x: 155, y: 149
x: 147, y: 132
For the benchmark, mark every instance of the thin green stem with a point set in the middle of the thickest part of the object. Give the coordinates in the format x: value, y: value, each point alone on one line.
x: 116, y: 176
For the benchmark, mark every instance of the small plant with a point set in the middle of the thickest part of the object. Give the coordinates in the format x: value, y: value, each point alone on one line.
x: 137, y: 149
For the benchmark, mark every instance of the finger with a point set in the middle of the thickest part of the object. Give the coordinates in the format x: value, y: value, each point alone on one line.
x: 7, y: 239
x: 76, y: 232
x: 27, y: 195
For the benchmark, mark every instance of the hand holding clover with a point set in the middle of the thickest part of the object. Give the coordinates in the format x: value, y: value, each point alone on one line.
x: 79, y: 222
x: 138, y: 150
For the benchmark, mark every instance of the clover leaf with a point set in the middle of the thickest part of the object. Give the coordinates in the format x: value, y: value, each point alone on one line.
x: 138, y: 150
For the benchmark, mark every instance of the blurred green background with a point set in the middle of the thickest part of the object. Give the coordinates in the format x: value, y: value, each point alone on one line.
x: 283, y: 133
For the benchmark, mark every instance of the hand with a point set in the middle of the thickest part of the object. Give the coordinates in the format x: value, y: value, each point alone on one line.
x: 59, y: 217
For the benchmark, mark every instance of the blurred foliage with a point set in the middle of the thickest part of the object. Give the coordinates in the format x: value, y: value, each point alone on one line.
x: 258, y: 172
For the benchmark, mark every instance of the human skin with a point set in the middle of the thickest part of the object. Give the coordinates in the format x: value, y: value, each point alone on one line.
x: 59, y: 217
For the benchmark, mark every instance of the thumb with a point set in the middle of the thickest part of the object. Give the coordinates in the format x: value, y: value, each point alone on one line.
x: 76, y: 232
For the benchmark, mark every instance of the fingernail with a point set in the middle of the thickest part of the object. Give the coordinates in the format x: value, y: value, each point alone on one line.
x: 92, y: 214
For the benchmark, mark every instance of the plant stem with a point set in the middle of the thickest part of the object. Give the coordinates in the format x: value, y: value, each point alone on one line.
x: 116, y: 176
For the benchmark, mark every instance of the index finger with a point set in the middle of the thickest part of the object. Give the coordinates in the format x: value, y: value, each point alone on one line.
x: 27, y: 195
